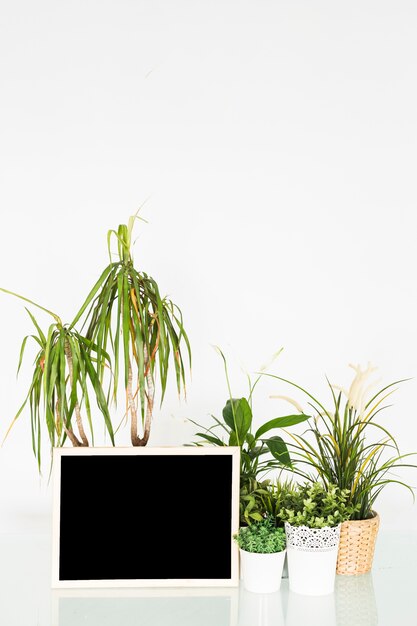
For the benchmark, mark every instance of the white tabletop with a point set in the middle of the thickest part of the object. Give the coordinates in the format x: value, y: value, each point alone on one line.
x: 387, y: 596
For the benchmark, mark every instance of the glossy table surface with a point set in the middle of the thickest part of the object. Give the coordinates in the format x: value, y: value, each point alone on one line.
x: 387, y: 596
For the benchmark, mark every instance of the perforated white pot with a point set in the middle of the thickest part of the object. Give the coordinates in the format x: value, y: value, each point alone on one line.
x: 312, y: 556
x: 262, y: 573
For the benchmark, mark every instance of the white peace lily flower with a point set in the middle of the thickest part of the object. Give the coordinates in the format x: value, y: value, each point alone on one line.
x: 268, y: 364
x: 358, y: 393
x: 339, y: 388
x: 290, y: 400
x: 320, y: 415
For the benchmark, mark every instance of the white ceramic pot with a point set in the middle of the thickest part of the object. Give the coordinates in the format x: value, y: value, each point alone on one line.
x: 262, y: 573
x: 312, y: 556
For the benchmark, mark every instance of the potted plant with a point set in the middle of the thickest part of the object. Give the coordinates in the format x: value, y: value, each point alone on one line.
x: 262, y: 553
x: 259, y: 453
x: 348, y: 446
x: 126, y: 325
x: 312, y: 514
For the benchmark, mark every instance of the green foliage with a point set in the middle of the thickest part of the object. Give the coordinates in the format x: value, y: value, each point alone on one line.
x: 143, y: 331
x: 258, y: 499
x: 127, y: 320
x: 347, y: 446
x: 63, y: 379
x: 315, y: 506
x: 262, y: 537
x: 258, y: 454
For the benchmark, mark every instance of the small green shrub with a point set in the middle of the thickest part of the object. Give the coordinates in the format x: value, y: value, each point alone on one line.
x: 316, y: 506
x: 260, y: 499
x: 261, y: 537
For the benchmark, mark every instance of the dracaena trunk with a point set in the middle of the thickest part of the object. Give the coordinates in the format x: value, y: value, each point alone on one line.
x: 150, y: 394
x: 83, y: 441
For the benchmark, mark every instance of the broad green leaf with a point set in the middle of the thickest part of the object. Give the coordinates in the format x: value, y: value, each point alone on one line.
x: 229, y: 412
x: 250, y: 439
x: 243, y: 416
x: 281, y: 422
x: 279, y: 450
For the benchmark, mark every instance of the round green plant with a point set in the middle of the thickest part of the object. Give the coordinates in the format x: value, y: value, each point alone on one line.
x: 314, y: 505
x: 261, y: 537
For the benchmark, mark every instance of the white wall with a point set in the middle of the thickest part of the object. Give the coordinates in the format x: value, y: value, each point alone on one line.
x: 276, y: 142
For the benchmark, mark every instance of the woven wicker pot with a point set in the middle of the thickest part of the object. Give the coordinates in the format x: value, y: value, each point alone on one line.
x: 357, y: 546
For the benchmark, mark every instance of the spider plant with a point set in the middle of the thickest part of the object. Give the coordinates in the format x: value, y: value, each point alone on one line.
x: 64, y: 376
x: 143, y: 331
x: 347, y: 446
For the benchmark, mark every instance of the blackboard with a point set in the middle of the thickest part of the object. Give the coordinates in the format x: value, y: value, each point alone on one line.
x: 145, y: 517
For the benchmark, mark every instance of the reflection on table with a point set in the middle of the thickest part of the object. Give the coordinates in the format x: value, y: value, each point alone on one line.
x: 150, y: 607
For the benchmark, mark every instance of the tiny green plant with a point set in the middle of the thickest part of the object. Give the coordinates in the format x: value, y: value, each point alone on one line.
x: 346, y: 444
x: 258, y: 499
x: 261, y: 537
x: 314, y: 505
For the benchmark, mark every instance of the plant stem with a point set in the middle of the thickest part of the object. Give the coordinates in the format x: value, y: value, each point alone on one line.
x: 69, y: 432
x: 150, y: 395
x: 84, y: 440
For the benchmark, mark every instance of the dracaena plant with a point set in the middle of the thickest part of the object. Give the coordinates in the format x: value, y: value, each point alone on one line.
x: 346, y: 445
x: 125, y: 316
x: 64, y: 381
x: 259, y: 452
x: 125, y: 320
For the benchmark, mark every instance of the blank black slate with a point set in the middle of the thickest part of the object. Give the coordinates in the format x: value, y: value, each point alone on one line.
x: 145, y: 517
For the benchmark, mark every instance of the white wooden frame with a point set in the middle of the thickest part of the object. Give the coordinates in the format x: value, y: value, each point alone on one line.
x: 233, y: 581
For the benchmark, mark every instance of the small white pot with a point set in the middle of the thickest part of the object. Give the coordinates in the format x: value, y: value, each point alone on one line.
x: 262, y: 573
x: 312, y: 556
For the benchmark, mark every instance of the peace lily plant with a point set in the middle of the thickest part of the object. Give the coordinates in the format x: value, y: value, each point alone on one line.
x: 260, y: 452
x: 127, y: 325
